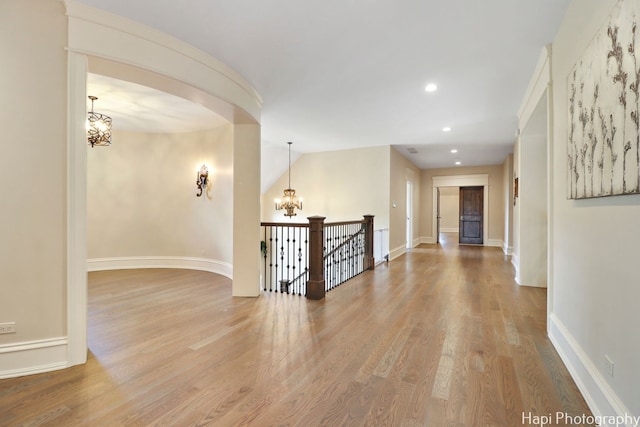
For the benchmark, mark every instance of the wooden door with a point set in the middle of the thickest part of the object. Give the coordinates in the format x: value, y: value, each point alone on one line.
x: 471, y: 211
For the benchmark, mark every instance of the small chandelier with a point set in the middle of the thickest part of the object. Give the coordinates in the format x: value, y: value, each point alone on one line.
x: 289, y: 202
x: 98, y: 128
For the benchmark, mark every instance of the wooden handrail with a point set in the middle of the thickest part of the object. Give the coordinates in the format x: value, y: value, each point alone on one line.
x: 284, y: 224
x: 328, y: 224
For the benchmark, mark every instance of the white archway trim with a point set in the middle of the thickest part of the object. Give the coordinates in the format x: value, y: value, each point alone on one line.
x: 105, y: 35
x: 475, y: 180
x: 537, y: 87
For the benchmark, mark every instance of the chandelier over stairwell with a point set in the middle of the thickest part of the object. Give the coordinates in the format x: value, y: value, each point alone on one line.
x: 289, y: 201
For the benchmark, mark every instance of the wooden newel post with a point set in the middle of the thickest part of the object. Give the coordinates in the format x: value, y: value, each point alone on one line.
x: 315, y: 284
x: 369, y: 261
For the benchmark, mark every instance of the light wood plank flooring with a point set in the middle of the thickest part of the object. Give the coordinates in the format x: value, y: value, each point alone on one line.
x: 439, y: 337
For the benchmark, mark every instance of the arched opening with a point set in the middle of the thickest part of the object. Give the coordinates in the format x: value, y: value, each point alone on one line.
x: 112, y: 48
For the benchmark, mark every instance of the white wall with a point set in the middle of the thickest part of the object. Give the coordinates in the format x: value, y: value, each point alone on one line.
x: 595, y: 284
x: 141, y: 198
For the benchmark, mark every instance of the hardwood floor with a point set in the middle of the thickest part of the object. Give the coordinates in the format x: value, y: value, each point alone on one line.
x: 439, y: 337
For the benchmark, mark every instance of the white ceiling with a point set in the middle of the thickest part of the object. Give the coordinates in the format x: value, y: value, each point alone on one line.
x: 134, y: 107
x: 347, y: 74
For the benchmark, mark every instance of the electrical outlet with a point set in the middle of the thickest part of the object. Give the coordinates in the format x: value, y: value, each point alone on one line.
x: 8, y: 328
x: 609, y: 365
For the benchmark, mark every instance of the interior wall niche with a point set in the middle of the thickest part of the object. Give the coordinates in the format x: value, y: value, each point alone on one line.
x: 603, y: 155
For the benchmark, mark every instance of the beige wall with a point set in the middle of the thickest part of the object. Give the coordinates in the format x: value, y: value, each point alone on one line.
x: 339, y: 185
x: 141, y: 196
x: 449, y: 209
x: 401, y: 171
x: 496, y: 198
x: 594, y: 282
x: 33, y: 84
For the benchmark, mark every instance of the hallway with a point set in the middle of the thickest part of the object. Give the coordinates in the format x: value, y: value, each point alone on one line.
x: 440, y: 336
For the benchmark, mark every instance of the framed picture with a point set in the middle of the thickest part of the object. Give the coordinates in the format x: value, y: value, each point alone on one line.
x: 603, y: 150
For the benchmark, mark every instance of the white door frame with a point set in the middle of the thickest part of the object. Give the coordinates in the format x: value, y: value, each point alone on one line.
x: 409, y: 211
x: 476, y: 180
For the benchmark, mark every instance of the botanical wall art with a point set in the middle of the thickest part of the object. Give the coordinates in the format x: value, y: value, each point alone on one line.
x: 604, y: 139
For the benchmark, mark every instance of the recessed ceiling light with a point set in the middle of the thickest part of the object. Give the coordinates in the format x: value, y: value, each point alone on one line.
x: 454, y: 151
x: 446, y: 129
x: 458, y: 162
x: 431, y: 87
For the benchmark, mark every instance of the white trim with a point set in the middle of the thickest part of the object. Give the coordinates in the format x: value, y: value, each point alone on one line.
x: 508, y: 250
x: 190, y: 263
x: 494, y: 243
x: 33, y: 357
x: 102, y: 34
x: 537, y: 86
x: 461, y: 180
x: 449, y: 230
x: 416, y: 242
x: 515, y: 263
x: 76, y: 208
x: 427, y: 240
x: 395, y: 253
x: 600, y: 397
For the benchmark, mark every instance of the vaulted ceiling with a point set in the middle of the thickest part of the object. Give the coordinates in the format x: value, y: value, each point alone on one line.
x: 352, y: 73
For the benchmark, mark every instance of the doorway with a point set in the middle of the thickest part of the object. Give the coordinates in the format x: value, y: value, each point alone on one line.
x: 475, y: 180
x: 471, y: 215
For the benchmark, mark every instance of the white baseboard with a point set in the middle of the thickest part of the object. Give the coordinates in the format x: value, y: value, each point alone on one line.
x: 416, y: 242
x: 427, y: 240
x: 515, y: 263
x: 33, y: 357
x: 190, y: 263
x: 395, y: 253
x: 508, y: 250
x: 602, y: 400
x: 449, y: 230
x: 494, y: 243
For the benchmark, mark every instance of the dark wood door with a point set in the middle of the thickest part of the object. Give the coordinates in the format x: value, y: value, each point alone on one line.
x: 471, y: 211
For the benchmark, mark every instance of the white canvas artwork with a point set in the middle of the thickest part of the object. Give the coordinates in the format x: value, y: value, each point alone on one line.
x: 604, y: 141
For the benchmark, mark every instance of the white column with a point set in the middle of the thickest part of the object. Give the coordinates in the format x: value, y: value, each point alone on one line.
x: 77, y: 210
x: 246, y: 210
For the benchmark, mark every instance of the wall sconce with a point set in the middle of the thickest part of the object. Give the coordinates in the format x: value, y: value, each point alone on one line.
x: 202, y: 180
